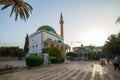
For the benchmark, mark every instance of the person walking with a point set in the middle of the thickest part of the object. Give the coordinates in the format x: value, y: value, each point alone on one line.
x: 108, y: 60
x: 116, y: 63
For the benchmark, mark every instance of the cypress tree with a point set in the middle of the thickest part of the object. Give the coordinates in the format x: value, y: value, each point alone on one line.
x: 26, y: 45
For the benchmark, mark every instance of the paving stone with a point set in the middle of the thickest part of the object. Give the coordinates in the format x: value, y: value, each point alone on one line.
x: 76, y: 70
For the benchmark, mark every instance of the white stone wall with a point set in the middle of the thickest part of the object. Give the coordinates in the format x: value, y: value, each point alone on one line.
x: 36, y: 40
x: 35, y: 44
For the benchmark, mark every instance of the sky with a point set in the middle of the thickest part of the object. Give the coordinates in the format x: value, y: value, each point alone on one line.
x: 87, y: 22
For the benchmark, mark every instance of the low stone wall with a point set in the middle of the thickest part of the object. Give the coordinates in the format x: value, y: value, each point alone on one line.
x: 9, y: 58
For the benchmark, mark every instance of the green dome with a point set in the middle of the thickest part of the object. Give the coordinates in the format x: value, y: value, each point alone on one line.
x: 82, y: 48
x: 47, y: 28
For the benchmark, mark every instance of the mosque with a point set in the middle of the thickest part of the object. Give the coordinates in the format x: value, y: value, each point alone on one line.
x: 45, y: 37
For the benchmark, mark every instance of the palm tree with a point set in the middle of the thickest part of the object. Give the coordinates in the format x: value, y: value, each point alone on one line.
x: 91, y: 48
x: 118, y: 20
x: 19, y: 7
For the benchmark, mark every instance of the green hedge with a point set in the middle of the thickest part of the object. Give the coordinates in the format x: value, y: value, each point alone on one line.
x: 32, y: 61
x: 57, y: 60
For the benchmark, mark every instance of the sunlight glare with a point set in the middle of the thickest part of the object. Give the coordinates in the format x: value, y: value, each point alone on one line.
x: 94, y: 37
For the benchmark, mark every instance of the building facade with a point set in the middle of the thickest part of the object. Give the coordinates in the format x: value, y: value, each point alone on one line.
x: 96, y: 49
x: 83, y: 51
x: 46, y: 37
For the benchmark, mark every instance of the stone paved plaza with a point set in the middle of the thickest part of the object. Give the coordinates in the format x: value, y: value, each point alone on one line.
x: 75, y: 70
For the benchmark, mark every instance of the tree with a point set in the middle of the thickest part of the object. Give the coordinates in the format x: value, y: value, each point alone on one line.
x: 55, y: 52
x: 19, y: 7
x: 45, y: 50
x: 71, y: 55
x: 112, y: 46
x: 26, y: 46
x: 118, y: 20
x: 11, y: 51
x: 91, y: 48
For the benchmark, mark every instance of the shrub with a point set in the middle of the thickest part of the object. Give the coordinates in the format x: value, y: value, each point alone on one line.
x: 55, y: 52
x: 32, y: 61
x: 54, y: 60
x: 57, y: 60
x: 61, y: 60
x: 71, y: 55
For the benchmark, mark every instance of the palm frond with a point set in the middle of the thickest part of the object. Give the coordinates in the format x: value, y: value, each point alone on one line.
x: 6, y: 2
x: 22, y: 15
x: 16, y: 12
x: 6, y: 6
x: 29, y: 6
x: 20, y: 8
x: 26, y: 13
x: 13, y: 8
